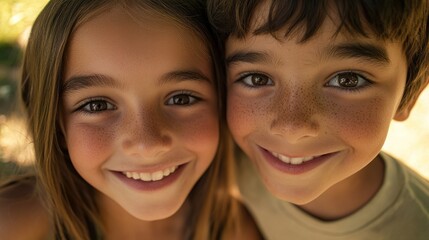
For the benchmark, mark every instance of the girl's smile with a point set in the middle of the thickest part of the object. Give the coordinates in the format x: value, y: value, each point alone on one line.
x: 140, y: 110
x: 125, y: 103
x: 146, y: 181
x: 147, y: 176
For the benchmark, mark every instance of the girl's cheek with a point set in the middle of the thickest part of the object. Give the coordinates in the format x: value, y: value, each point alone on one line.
x: 89, y: 142
x: 199, y: 131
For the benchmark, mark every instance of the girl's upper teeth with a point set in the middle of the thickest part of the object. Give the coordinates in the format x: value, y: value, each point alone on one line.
x: 291, y: 160
x: 147, y: 177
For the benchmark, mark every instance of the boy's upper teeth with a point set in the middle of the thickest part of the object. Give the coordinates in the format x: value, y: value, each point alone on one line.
x: 291, y: 160
x: 147, y: 177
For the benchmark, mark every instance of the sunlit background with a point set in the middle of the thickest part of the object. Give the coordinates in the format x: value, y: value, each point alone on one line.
x: 407, y: 140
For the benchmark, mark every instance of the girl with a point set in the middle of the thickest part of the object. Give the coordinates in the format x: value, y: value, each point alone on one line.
x: 123, y: 102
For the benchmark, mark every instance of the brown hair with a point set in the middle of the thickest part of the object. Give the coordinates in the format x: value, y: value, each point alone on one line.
x: 405, y: 21
x: 71, y: 199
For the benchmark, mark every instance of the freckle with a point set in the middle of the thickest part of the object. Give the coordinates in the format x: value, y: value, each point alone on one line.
x: 107, y: 133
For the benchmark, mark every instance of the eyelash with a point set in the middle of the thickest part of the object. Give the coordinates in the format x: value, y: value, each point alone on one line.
x: 109, y: 106
x: 243, y: 77
x: 190, y: 95
x: 362, y: 83
x: 86, y: 103
x: 359, y: 77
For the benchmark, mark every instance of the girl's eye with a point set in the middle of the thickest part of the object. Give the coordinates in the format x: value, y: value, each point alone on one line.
x: 182, y: 99
x: 95, y: 106
x: 348, y: 81
x: 256, y: 80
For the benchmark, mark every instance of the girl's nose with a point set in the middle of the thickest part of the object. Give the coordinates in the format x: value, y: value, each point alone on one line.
x: 147, y: 135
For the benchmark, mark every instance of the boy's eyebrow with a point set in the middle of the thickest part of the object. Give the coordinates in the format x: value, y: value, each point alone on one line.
x: 247, y: 56
x: 369, y: 52
x: 183, y: 75
x: 86, y: 81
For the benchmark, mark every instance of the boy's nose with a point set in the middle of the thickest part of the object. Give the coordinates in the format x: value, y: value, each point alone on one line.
x: 146, y: 135
x: 295, y: 116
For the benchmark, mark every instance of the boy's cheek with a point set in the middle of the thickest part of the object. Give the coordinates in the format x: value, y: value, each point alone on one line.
x: 363, y: 119
x: 236, y: 114
x: 245, y: 114
x: 359, y: 121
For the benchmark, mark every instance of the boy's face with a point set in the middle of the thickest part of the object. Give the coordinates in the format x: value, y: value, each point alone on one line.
x: 310, y: 115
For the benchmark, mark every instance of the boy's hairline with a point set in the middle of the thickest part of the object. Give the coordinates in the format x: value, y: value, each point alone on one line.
x: 298, y: 28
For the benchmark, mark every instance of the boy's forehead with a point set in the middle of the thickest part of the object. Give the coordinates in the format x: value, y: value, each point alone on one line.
x: 326, y: 43
x: 329, y: 39
x: 327, y: 30
x: 331, y: 23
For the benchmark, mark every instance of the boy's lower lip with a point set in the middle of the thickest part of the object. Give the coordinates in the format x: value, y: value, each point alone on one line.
x: 292, y: 168
x: 150, y: 185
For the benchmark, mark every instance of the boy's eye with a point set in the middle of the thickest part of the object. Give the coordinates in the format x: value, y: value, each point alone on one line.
x: 94, y: 106
x: 348, y: 81
x: 256, y: 80
x: 182, y: 99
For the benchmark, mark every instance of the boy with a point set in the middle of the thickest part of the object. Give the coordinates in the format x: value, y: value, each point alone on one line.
x: 312, y: 88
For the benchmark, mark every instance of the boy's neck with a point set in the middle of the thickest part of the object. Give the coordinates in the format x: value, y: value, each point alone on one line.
x: 350, y: 195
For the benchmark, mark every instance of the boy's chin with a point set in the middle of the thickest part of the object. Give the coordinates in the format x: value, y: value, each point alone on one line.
x: 295, y: 195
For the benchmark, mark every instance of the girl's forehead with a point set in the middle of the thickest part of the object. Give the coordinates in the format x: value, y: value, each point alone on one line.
x: 142, y: 17
x: 116, y: 23
x: 115, y: 38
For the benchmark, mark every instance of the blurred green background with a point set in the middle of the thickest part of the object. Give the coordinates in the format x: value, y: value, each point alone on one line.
x: 16, y: 18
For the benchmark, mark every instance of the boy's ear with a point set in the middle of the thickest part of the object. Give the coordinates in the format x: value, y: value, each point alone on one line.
x: 404, y: 113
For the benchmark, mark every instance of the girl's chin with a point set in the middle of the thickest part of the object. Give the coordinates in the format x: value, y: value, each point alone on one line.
x: 156, y: 213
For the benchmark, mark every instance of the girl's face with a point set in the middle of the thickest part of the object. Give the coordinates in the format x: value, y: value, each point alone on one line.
x: 139, y: 111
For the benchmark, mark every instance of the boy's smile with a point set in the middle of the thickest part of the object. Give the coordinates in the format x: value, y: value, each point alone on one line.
x: 312, y: 114
x: 294, y: 165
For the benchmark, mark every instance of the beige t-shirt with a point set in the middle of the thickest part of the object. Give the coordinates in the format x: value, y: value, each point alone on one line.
x: 399, y: 211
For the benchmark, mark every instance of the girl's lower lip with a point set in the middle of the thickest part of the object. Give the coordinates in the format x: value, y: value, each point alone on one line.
x: 292, y: 168
x: 150, y: 185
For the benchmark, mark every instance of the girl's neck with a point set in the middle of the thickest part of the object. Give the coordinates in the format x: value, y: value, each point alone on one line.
x: 119, y: 224
x: 350, y: 195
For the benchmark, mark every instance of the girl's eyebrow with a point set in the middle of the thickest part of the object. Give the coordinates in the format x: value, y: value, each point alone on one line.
x: 86, y: 81
x: 183, y: 75
x: 98, y: 80
x: 369, y: 52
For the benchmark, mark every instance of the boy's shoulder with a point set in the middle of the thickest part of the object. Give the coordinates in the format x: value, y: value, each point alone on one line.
x: 400, y: 209
x: 22, y: 214
x: 415, y: 185
x: 411, y: 206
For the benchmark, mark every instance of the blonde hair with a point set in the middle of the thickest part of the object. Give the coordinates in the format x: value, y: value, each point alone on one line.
x: 71, y: 199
